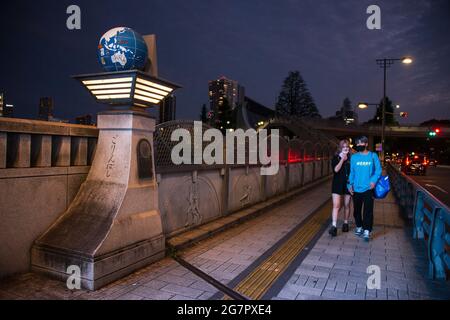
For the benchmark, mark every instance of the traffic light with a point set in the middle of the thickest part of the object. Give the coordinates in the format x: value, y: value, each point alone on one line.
x: 437, y: 130
x: 404, y: 114
x: 432, y: 133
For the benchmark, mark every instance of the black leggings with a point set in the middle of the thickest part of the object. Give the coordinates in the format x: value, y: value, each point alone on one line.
x: 366, y: 198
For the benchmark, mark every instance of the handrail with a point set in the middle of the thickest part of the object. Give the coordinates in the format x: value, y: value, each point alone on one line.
x: 431, y: 220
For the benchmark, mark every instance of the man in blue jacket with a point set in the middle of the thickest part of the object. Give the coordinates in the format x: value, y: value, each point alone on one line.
x: 365, y: 170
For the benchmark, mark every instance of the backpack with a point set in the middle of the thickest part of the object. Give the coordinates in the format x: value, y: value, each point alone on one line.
x: 382, y: 186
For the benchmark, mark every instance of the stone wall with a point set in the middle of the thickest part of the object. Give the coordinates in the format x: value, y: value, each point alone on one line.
x: 42, y: 165
x: 189, y: 198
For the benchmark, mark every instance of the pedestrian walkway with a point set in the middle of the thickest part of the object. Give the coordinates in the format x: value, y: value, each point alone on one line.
x: 320, y: 268
x: 336, y: 268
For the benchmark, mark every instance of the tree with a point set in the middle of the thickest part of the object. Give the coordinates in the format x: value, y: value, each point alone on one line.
x: 346, y: 106
x: 435, y: 122
x: 204, y: 114
x: 295, y: 99
x: 389, y: 109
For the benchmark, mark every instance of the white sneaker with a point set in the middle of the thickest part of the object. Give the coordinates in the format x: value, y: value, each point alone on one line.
x: 366, y: 235
x: 358, y: 231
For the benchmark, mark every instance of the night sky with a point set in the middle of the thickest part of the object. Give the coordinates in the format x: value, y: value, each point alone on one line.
x: 254, y: 42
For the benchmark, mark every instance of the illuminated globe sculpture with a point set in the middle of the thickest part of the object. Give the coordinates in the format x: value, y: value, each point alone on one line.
x: 121, y: 49
x: 113, y: 226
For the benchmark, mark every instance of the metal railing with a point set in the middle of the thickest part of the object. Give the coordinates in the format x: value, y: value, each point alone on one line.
x: 431, y: 220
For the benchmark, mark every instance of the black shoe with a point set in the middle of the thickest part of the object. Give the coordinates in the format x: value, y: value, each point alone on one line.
x: 333, y: 231
x: 345, y: 227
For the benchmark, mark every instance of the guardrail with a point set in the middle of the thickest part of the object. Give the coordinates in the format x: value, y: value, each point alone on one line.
x: 431, y: 220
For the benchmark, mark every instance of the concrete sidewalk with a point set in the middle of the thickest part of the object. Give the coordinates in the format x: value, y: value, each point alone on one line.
x: 224, y: 257
x: 336, y: 267
x: 332, y: 268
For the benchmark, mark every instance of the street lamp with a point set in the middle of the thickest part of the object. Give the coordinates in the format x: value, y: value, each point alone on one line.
x: 131, y: 89
x: 407, y: 60
x: 386, y: 63
x: 363, y: 105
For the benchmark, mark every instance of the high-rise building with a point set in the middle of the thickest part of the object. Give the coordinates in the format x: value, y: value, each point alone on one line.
x: 86, y: 120
x: 346, y: 113
x: 167, y: 109
x: 2, y: 105
x: 46, y: 108
x: 6, y: 110
x: 224, y: 88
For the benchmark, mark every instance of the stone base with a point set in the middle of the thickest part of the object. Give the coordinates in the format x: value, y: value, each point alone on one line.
x: 113, y: 226
x: 98, y: 271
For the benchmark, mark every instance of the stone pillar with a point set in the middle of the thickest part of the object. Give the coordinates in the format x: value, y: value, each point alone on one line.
x: 79, y: 151
x: 2, y: 150
x: 92, y: 146
x: 61, y: 151
x: 19, y: 151
x: 41, y: 151
x: 116, y: 209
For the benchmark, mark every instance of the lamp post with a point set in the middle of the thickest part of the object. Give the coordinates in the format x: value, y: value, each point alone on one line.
x: 386, y: 63
x: 365, y: 105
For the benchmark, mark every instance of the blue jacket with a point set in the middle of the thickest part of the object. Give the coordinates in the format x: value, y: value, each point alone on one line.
x: 364, y: 169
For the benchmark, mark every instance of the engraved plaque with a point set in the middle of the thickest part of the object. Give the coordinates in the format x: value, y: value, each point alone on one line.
x: 145, y: 160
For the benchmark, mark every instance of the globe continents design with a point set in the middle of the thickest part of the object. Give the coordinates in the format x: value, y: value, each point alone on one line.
x: 122, y: 49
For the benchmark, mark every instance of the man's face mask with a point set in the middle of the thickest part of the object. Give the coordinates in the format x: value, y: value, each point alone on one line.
x: 360, y: 148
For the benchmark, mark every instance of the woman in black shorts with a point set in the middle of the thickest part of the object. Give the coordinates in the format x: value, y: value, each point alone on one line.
x: 341, y: 169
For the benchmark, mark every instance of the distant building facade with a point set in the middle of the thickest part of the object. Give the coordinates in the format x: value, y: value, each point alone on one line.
x: 86, y: 120
x: 2, y: 104
x: 6, y: 110
x: 224, y: 88
x: 252, y: 114
x: 168, y: 109
x: 346, y: 113
x: 45, y: 108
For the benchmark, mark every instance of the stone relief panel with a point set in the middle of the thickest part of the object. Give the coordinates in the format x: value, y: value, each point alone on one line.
x: 295, y: 175
x: 187, y: 199
x: 275, y: 184
x: 245, y: 188
x: 318, y: 169
x: 308, y: 167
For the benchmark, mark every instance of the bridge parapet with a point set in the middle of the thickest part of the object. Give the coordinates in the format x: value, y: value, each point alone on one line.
x: 45, y: 163
x: 191, y: 195
x: 42, y: 165
x: 41, y: 144
x: 431, y: 221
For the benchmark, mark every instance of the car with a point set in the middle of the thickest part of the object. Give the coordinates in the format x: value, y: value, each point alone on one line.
x: 432, y: 162
x: 414, y: 165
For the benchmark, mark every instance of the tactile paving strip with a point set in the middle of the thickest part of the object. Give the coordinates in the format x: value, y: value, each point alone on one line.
x: 256, y: 284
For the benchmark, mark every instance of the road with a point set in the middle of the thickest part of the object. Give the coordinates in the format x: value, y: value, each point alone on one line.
x: 436, y: 181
